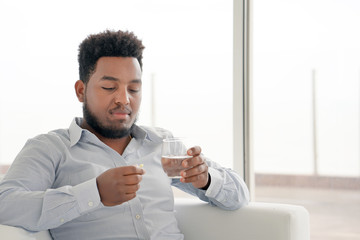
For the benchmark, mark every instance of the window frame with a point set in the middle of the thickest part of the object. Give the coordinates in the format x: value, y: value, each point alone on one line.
x: 242, y: 162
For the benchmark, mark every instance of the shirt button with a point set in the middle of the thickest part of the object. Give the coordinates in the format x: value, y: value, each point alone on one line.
x: 62, y: 220
x: 137, y: 216
x: 90, y: 204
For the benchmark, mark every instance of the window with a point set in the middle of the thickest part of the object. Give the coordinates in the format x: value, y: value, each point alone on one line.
x: 306, y: 103
x: 187, y: 67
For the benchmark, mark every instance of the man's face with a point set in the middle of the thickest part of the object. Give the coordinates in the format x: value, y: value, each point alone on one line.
x: 112, y: 96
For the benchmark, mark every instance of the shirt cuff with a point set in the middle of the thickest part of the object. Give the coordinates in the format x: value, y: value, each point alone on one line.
x: 87, y: 195
x: 216, y: 183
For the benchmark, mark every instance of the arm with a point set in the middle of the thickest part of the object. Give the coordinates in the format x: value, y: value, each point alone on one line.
x: 212, y: 183
x: 41, y: 210
x: 36, y: 193
x: 26, y: 194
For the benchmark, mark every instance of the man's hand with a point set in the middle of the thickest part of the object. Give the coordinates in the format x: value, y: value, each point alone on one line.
x: 197, y: 173
x: 118, y: 185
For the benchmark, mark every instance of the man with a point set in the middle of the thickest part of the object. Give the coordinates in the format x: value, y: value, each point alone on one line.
x: 85, y: 182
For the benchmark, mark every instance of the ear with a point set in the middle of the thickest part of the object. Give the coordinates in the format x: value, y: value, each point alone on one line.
x: 80, y: 90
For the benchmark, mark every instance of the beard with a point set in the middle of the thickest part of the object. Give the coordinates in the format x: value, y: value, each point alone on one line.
x: 105, y: 131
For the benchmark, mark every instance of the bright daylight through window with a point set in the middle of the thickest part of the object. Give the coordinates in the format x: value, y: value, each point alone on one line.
x: 187, y: 78
x: 306, y: 108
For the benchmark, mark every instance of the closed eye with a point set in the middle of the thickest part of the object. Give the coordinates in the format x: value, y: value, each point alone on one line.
x: 134, y: 90
x: 108, y: 89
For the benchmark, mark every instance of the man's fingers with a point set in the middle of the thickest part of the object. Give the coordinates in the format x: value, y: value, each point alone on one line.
x: 118, y: 185
x: 199, y: 169
x: 129, y: 189
x: 132, y: 179
x: 194, y: 178
x: 192, y: 162
x: 194, y: 151
x: 131, y: 170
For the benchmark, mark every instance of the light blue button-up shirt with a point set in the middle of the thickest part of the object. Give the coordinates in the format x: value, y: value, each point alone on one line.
x: 52, y: 185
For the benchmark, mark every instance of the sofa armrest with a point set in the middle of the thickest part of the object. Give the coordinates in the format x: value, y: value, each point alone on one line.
x: 16, y: 233
x: 198, y: 220
x: 257, y: 221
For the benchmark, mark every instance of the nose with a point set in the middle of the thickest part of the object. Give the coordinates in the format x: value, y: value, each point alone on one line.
x: 122, y: 97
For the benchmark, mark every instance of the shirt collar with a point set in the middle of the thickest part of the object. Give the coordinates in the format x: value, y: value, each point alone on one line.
x: 75, y: 131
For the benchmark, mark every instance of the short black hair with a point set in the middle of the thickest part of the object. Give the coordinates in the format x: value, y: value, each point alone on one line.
x: 107, y: 44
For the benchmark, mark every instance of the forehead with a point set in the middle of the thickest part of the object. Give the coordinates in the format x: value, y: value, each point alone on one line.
x: 127, y: 68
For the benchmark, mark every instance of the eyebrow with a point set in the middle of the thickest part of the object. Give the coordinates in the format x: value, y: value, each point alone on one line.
x: 110, y: 78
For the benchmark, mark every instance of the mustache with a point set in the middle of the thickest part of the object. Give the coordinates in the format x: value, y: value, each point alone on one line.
x: 121, y: 109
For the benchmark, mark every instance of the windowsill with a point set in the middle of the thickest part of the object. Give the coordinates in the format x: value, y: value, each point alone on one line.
x: 307, y: 181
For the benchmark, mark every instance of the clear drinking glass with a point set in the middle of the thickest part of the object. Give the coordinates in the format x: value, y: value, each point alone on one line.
x: 173, y: 153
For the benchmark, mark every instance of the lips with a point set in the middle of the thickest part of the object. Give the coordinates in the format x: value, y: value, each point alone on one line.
x: 120, y: 113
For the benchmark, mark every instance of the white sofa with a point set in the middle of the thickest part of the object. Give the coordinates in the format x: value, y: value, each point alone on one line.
x: 200, y: 221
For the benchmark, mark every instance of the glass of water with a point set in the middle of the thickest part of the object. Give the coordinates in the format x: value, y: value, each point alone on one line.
x: 174, y: 152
